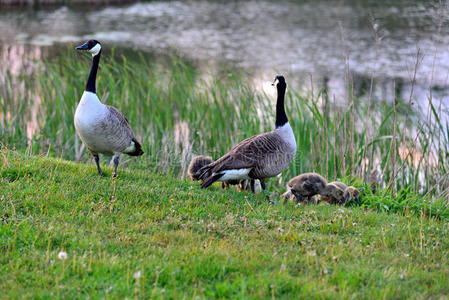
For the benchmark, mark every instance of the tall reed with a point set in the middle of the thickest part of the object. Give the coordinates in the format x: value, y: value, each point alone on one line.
x: 177, y: 110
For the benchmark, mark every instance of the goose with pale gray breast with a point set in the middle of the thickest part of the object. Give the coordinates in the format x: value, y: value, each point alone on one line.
x: 102, y: 128
x: 259, y: 157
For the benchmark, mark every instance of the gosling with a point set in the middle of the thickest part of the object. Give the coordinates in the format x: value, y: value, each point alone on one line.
x: 305, y: 186
x: 196, y: 164
x: 332, y: 194
x: 351, y: 193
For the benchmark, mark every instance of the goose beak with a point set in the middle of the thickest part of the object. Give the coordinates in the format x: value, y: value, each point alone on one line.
x: 83, y: 47
x: 357, y: 200
x: 276, y: 80
x: 343, y: 199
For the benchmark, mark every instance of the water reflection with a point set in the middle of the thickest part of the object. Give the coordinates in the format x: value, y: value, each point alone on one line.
x: 17, y: 61
x: 301, y: 38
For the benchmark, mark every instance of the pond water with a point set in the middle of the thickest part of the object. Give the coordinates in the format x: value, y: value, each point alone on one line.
x: 314, y: 43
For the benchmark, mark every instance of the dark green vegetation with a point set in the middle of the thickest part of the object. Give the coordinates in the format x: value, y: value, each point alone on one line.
x: 186, y: 242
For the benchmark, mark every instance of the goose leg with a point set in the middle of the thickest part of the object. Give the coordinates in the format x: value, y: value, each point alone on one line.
x: 252, y: 182
x: 262, y: 184
x: 97, y: 161
x: 116, y: 161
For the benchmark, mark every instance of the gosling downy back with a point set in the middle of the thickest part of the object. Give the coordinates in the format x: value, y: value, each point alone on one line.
x: 196, y: 164
x: 332, y: 194
x: 306, y: 185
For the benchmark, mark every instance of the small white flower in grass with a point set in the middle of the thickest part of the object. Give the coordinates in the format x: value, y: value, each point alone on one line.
x: 325, y: 271
x: 334, y: 257
x: 406, y: 255
x: 137, y: 275
x: 62, y: 255
x: 402, y: 276
x: 340, y: 210
x: 354, y: 224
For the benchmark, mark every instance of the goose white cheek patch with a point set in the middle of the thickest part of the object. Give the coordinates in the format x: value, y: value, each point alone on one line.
x: 95, y: 50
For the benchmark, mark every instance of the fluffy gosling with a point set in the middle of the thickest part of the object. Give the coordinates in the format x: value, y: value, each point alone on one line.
x: 332, y: 194
x: 351, y: 193
x: 305, y: 186
x: 196, y: 164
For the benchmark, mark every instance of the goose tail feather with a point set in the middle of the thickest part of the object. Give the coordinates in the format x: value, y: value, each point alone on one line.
x: 204, y: 172
x: 210, y: 180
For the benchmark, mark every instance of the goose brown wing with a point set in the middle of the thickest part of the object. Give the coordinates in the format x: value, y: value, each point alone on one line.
x: 249, y: 152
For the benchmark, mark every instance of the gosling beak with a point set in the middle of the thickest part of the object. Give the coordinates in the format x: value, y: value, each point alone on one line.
x: 343, y: 199
x: 357, y: 200
x: 83, y: 47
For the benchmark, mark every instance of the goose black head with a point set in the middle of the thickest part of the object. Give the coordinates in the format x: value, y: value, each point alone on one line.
x: 91, y: 46
x: 279, y: 81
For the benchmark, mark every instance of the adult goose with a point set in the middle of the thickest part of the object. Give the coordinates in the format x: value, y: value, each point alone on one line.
x: 102, y: 128
x: 258, y: 157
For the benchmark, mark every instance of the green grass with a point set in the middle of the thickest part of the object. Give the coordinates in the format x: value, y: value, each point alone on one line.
x: 179, y: 108
x: 188, y: 242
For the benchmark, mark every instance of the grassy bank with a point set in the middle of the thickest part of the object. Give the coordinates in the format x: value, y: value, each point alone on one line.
x: 149, y: 235
x: 179, y: 109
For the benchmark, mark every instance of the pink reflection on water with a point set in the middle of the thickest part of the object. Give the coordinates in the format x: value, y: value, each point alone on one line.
x: 18, y: 64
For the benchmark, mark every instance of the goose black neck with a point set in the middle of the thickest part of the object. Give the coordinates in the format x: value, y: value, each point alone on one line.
x: 281, y: 116
x: 90, y: 85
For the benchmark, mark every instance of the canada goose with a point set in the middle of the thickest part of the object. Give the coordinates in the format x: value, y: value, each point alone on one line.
x: 332, y: 194
x: 305, y: 186
x: 351, y: 193
x: 258, y: 157
x: 196, y: 164
x: 102, y: 128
